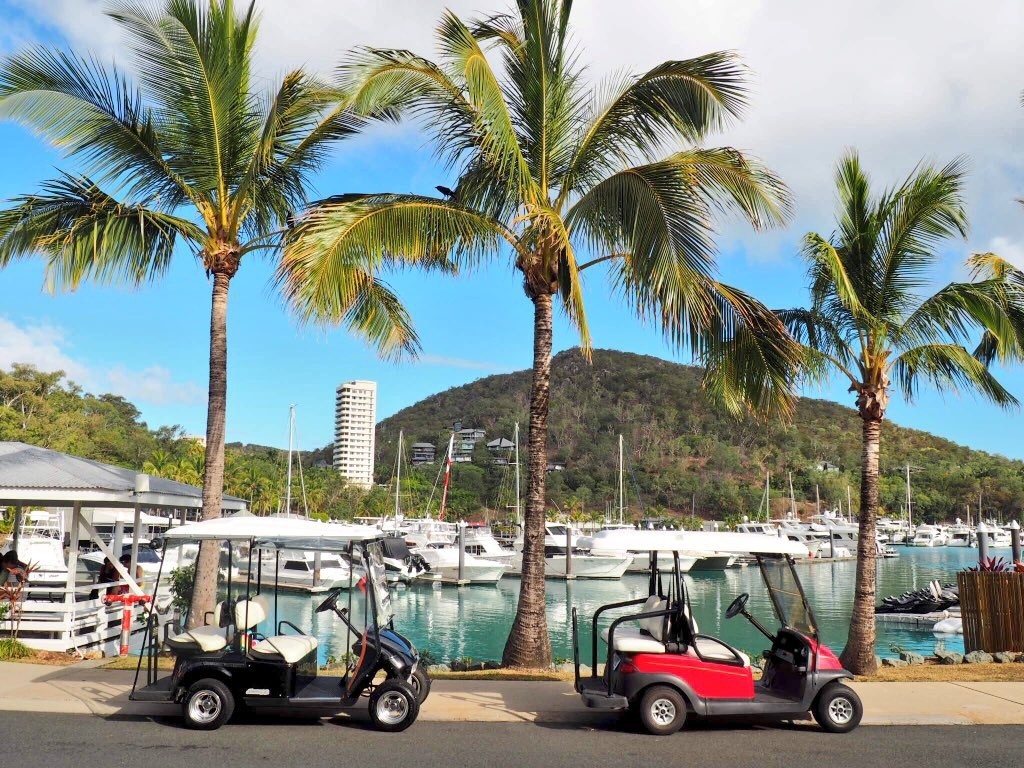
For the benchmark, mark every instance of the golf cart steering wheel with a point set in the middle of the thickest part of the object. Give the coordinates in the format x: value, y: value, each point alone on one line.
x: 330, y: 602
x: 736, y: 606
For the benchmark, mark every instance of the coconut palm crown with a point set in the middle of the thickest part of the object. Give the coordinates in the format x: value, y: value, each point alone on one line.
x: 874, y: 321
x: 195, y: 155
x: 560, y: 178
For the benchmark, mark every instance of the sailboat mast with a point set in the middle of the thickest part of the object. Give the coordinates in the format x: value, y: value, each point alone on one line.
x: 398, y: 477
x: 792, y: 497
x: 767, y: 496
x: 447, y: 475
x: 622, y: 489
x: 291, y: 439
x: 910, y: 515
x: 519, y: 514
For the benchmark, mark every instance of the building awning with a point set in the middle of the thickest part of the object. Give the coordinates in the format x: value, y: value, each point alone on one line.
x: 30, y: 475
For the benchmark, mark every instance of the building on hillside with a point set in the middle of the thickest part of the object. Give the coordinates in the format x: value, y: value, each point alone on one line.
x: 555, y: 466
x: 465, y: 441
x: 824, y: 466
x: 501, y: 450
x: 422, y: 453
x: 355, y: 416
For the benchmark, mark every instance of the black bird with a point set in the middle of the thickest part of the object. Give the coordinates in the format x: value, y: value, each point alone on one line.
x: 289, y: 219
x: 449, y: 193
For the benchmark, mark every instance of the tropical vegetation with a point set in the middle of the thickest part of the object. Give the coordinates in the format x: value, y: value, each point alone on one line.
x: 200, y: 158
x: 874, y: 321
x: 683, y: 453
x: 559, y: 178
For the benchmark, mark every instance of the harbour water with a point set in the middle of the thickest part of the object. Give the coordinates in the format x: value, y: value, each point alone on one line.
x: 473, y: 622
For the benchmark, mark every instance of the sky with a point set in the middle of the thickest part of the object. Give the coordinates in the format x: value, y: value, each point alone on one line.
x: 899, y: 80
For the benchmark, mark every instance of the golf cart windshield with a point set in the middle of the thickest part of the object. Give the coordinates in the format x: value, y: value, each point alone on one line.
x: 377, y: 578
x: 787, y: 595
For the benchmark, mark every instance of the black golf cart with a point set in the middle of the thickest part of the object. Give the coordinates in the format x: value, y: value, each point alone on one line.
x: 665, y: 668
x: 228, y: 662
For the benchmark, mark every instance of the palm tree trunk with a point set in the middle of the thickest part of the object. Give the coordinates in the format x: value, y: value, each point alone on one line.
x: 859, y: 654
x: 204, y: 593
x: 528, y: 643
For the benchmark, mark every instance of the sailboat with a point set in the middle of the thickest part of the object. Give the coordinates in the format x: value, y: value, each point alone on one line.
x: 441, y: 555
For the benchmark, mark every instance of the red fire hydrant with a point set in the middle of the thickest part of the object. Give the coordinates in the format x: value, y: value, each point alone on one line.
x: 127, y: 600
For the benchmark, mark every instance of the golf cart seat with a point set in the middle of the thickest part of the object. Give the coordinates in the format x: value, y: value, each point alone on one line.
x: 290, y: 648
x: 649, y: 638
x: 716, y: 650
x: 206, y: 639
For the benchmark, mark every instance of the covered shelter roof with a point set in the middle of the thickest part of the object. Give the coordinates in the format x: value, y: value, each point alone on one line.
x: 38, y: 476
x: 276, y: 532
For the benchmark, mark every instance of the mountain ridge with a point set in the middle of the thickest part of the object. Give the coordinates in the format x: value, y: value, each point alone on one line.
x: 684, y: 451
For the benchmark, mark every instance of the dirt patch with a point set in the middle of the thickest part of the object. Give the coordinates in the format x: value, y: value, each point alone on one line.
x: 930, y: 672
x: 52, y: 658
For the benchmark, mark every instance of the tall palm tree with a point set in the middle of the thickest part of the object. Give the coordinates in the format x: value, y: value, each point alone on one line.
x: 873, y: 322
x: 561, y: 178
x: 198, y: 154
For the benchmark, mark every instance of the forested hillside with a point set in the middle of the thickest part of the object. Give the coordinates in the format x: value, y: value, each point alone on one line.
x: 679, y: 448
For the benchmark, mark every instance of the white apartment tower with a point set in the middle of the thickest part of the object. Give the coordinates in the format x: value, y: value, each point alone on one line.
x: 355, y: 416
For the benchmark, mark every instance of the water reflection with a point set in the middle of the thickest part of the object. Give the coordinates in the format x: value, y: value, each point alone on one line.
x: 474, y: 621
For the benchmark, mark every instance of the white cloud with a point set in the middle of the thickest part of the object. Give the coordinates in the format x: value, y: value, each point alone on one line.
x: 1011, y: 250
x: 457, y: 362
x: 45, y: 346
x: 901, y: 81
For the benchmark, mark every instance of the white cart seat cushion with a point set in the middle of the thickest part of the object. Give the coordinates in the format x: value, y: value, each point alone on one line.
x: 249, y: 613
x: 716, y: 651
x: 291, y: 648
x: 207, y: 639
x: 630, y: 640
x: 655, y: 625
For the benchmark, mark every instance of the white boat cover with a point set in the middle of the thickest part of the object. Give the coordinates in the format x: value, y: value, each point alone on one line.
x: 275, y: 532
x: 695, y: 542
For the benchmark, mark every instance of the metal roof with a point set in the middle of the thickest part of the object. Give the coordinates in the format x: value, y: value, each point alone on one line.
x: 37, y: 475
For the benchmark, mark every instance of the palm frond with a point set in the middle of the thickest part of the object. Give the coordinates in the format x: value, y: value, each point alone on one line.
x: 352, y: 234
x: 93, y: 114
x: 675, y: 101
x: 194, y: 62
x: 752, y: 364
x: 662, y: 215
x: 823, y: 339
x: 947, y: 367
x: 82, y: 232
x: 925, y: 211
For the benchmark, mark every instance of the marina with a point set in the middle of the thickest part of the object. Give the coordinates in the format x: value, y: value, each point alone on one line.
x: 473, y: 622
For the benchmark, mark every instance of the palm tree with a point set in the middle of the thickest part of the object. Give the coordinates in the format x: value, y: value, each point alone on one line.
x: 196, y: 154
x: 872, y: 321
x: 560, y: 178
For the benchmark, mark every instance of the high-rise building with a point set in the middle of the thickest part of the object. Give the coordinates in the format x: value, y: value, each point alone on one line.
x: 355, y: 416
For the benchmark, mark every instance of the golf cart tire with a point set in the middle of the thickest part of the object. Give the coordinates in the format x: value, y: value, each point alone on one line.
x: 838, y: 709
x: 662, y: 710
x: 207, y: 705
x: 393, y: 706
x: 419, y: 681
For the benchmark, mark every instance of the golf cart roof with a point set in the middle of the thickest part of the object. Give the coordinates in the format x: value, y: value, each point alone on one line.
x: 275, y: 532
x: 695, y: 542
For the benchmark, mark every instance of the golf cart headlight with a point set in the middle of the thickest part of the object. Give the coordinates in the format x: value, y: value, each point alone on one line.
x: 395, y: 660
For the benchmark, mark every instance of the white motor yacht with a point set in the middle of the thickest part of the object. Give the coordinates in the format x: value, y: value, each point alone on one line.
x: 959, y: 535
x: 929, y: 536
x: 584, y: 564
x: 41, y: 545
x: 444, y: 566
x: 300, y: 571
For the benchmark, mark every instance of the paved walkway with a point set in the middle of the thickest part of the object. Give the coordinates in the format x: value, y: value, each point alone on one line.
x: 85, y: 688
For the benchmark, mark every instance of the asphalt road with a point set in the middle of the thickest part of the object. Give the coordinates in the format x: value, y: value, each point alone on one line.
x: 79, y: 741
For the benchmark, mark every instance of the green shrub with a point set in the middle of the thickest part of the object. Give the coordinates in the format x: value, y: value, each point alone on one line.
x: 182, y: 582
x: 13, y: 649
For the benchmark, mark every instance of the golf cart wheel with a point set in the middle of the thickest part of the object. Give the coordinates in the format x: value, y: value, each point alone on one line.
x: 838, y: 709
x: 208, y: 705
x: 419, y: 681
x: 393, y: 706
x: 662, y: 710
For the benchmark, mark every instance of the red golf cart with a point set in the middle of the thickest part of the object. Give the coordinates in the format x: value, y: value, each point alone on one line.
x: 659, y: 666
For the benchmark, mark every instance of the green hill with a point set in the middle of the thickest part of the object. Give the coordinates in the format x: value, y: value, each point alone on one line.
x: 680, y: 448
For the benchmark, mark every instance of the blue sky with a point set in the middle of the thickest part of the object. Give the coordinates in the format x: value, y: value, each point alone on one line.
x: 151, y: 344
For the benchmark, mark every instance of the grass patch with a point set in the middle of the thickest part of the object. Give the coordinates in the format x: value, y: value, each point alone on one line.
x: 11, y: 650
x: 951, y: 673
x: 131, y: 662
